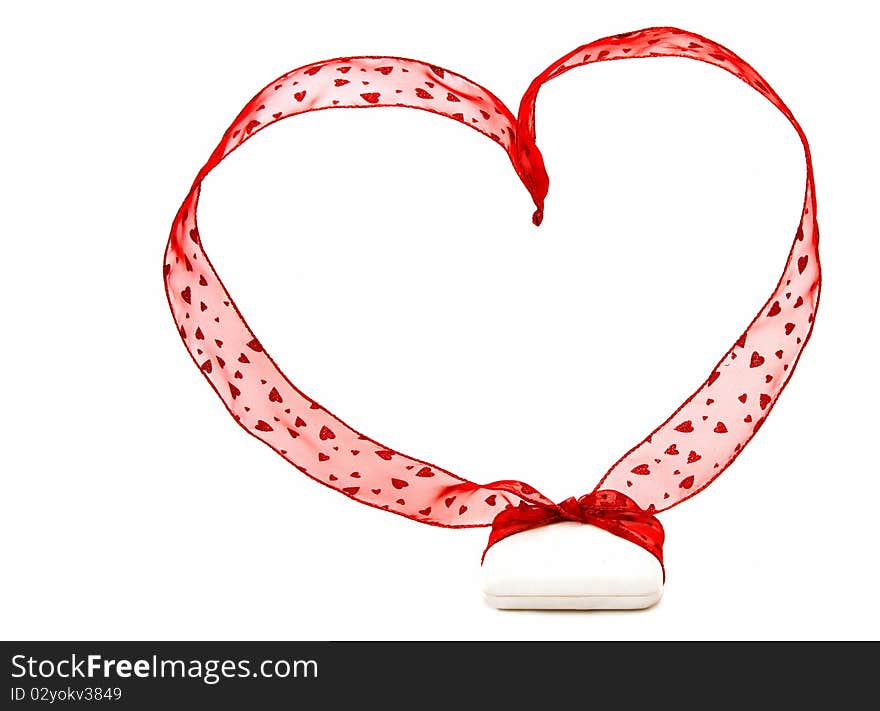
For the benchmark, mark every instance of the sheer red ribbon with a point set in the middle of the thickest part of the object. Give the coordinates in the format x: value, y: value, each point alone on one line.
x: 683, y: 455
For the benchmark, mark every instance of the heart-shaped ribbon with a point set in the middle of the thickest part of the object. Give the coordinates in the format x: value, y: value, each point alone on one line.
x: 679, y: 458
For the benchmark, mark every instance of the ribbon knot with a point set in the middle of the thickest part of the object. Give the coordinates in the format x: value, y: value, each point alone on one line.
x: 573, y: 509
x: 609, y: 510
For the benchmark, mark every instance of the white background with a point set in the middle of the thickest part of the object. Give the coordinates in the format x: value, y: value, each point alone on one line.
x: 133, y: 507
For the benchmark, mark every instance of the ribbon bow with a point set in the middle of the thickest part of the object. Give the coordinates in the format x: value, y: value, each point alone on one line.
x: 608, y: 510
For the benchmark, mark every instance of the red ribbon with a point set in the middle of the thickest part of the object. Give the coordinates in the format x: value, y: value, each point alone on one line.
x: 679, y: 458
x: 609, y: 510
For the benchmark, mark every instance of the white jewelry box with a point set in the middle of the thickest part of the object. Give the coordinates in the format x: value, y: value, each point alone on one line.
x: 570, y: 566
